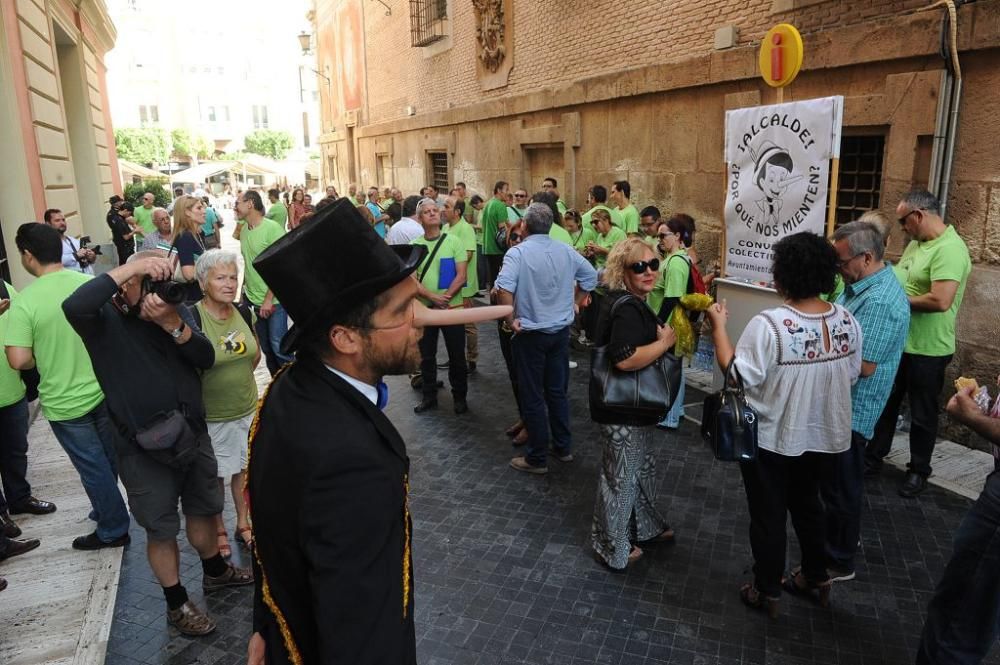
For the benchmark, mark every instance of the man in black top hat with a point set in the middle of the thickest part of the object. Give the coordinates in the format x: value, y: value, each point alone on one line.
x: 328, y: 474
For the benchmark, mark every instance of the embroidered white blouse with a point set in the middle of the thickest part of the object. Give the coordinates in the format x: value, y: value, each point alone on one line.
x: 800, y: 388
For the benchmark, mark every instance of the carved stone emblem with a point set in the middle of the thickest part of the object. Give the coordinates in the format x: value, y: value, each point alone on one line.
x: 490, y: 33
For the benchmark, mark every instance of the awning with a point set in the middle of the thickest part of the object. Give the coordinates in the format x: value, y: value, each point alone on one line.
x: 132, y: 169
x: 254, y: 165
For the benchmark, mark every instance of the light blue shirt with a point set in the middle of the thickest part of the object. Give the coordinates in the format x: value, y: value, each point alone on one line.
x: 883, y: 311
x: 542, y: 273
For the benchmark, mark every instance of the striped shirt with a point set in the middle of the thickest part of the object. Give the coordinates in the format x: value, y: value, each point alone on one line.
x: 883, y: 310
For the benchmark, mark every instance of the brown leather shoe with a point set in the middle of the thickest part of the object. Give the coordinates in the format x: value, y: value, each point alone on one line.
x: 190, y: 619
x: 232, y: 577
x: 8, y: 527
x: 16, y: 547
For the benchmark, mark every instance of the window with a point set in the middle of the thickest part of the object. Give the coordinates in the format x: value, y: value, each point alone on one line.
x: 148, y: 115
x: 259, y: 117
x: 427, y: 21
x: 211, y: 114
x: 439, y: 170
x: 383, y: 170
x: 860, y: 186
x: 305, y: 129
x: 225, y: 113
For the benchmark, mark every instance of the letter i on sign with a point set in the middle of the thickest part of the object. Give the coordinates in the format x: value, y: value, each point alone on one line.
x: 776, y: 58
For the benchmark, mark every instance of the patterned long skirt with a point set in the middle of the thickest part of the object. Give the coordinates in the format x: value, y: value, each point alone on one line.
x: 624, y: 511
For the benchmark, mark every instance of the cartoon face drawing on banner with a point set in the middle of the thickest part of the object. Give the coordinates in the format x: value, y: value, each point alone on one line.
x: 778, y: 170
x: 773, y: 168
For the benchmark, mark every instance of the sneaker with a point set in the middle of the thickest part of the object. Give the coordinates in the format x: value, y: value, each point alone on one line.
x: 232, y: 577
x: 568, y: 457
x: 840, y: 574
x: 573, y: 364
x: 92, y: 542
x: 521, y: 464
x: 190, y: 619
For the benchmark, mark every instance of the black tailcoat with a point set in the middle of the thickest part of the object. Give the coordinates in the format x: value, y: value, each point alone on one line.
x: 328, y: 500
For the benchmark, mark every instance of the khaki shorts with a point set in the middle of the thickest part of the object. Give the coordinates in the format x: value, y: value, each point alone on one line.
x: 229, y: 441
x: 154, y: 489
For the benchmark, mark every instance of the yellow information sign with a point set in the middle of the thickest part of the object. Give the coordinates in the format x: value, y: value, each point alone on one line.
x: 781, y: 55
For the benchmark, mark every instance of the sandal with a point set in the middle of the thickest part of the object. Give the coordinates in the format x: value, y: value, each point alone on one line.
x: 245, y: 535
x: 752, y: 597
x: 514, y: 429
x: 521, y: 438
x: 666, y: 536
x: 224, y: 549
x: 798, y: 585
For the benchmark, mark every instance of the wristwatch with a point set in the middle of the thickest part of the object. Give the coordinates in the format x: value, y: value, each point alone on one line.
x: 177, y: 332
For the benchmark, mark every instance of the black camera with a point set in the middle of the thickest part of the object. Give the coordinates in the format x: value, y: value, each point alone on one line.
x: 84, y: 244
x: 170, y: 292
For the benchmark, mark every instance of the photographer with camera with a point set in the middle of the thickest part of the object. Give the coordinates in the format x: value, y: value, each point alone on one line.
x: 147, y: 351
x: 75, y: 253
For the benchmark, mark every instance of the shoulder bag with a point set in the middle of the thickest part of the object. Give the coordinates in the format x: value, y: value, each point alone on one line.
x: 638, y: 397
x: 728, y: 422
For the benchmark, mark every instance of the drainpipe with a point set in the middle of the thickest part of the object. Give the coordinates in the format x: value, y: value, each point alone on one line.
x: 946, y: 127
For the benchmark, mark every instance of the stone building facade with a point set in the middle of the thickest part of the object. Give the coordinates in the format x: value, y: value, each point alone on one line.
x: 56, y: 140
x: 604, y: 90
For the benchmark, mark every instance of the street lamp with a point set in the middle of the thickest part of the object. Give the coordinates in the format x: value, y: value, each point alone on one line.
x: 305, y: 41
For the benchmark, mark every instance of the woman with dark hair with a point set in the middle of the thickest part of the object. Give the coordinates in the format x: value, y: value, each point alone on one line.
x: 297, y: 208
x: 674, y: 282
x: 578, y: 234
x: 806, y: 352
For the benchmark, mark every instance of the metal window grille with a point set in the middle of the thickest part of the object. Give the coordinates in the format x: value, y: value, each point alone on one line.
x: 427, y: 21
x: 860, y: 187
x: 439, y: 170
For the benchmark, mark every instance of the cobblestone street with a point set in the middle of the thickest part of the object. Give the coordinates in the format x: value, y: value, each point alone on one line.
x: 504, y: 571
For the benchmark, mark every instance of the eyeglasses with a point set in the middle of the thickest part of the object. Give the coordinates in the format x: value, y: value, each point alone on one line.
x: 843, y: 262
x: 640, y: 267
x: 519, y: 196
x: 902, y: 220
x: 666, y: 235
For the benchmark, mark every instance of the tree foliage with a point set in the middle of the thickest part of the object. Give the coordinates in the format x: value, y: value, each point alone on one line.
x: 155, y: 186
x: 188, y: 144
x: 269, y: 143
x: 143, y: 145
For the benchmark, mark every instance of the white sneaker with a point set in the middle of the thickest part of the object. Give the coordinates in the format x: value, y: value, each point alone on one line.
x: 573, y: 364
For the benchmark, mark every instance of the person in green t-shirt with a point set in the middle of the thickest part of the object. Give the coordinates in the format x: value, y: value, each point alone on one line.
x: 607, y: 237
x: 38, y: 335
x: 597, y: 197
x: 649, y: 224
x: 461, y: 230
x: 551, y: 185
x: 258, y: 232
x: 229, y: 389
x: 579, y: 235
x: 933, y: 270
x: 440, y: 277
x: 277, y: 212
x: 16, y: 495
x: 621, y: 190
x: 492, y: 219
x: 144, y: 216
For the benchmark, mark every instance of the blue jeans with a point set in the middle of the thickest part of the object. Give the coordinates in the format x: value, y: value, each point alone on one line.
x: 541, y: 361
x: 270, y: 332
x: 89, y: 441
x: 14, y: 454
x: 964, y: 613
x: 673, y: 417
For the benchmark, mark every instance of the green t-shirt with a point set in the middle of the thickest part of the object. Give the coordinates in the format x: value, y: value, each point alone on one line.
x: 252, y: 243
x: 473, y: 219
x: 559, y: 233
x: 616, y: 217
x: 278, y: 212
x: 69, y: 387
x: 11, y: 386
x: 580, y: 239
x: 838, y: 289
x: 630, y: 219
x: 451, y: 248
x: 615, y: 236
x: 946, y: 258
x: 561, y: 207
x: 228, y: 388
x: 465, y: 234
x: 494, y: 214
x: 672, y: 281
x: 144, y: 218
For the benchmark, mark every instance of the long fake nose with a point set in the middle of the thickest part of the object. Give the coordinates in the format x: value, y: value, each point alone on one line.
x: 424, y: 316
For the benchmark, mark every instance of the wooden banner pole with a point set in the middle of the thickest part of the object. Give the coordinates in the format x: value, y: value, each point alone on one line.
x: 831, y: 211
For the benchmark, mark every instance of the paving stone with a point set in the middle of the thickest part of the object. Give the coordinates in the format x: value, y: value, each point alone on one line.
x: 504, y: 572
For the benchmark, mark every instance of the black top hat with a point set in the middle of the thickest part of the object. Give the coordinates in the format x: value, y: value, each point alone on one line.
x: 330, y: 265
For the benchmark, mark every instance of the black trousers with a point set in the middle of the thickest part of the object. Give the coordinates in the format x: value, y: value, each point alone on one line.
x: 508, y: 359
x: 920, y: 379
x: 842, y: 489
x: 493, y: 264
x: 454, y: 342
x: 14, y: 454
x: 777, y: 485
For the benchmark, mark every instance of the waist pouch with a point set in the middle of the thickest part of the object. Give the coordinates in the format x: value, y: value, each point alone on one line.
x: 169, y: 439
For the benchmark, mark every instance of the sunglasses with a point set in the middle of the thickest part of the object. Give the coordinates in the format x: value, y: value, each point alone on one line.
x: 666, y: 235
x: 902, y: 220
x: 640, y: 267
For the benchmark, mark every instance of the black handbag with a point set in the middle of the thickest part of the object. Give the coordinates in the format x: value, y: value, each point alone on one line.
x: 639, y: 397
x: 728, y: 422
